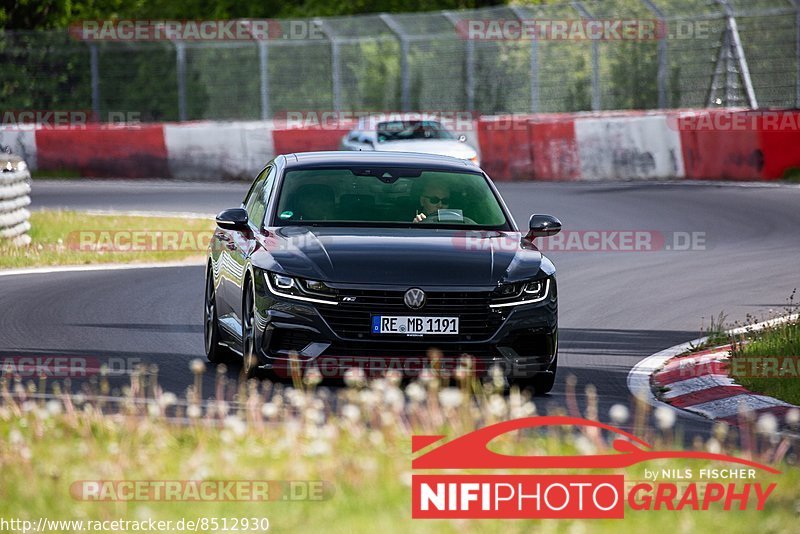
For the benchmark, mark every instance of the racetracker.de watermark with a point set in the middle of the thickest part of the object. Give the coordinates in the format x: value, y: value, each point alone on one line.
x: 581, y: 29
x: 736, y: 121
x: 133, y: 30
x: 139, y: 240
x: 201, y: 490
x: 68, y: 366
x: 65, y: 119
x: 589, y: 241
x: 336, y: 120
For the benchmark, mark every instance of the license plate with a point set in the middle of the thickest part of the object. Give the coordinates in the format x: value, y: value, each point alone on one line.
x: 414, y: 325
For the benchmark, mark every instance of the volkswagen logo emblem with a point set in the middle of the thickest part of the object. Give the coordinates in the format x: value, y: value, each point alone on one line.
x: 414, y: 298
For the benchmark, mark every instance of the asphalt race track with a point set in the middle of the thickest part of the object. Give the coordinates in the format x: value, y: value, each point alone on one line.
x: 615, y: 307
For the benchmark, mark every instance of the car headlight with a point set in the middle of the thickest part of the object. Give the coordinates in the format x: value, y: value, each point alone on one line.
x: 521, y: 293
x: 300, y: 288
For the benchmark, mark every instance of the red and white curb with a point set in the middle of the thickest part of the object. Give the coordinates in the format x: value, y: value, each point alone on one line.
x: 698, y: 383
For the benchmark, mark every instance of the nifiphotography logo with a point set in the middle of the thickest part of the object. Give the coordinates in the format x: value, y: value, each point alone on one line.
x: 571, y: 496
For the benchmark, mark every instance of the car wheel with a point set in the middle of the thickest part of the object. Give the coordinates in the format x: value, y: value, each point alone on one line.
x: 249, y: 357
x: 215, y: 352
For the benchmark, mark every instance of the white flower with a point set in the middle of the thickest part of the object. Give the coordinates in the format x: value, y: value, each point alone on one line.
x: 237, y: 426
x: 15, y: 437
x: 153, y: 410
x: 313, y: 376
x: 426, y: 376
x: 585, y: 445
x: 767, y: 424
x: 793, y: 417
x: 269, y: 410
x: 393, y: 376
x: 296, y: 398
x: 416, y: 392
x: 528, y: 409
x: 197, y: 366
x: 393, y: 397
x: 354, y: 377
x: 497, y: 406
x: 168, y: 399
x: 53, y: 407
x: 315, y: 416
x: 194, y: 411
x: 351, y: 412
x: 713, y: 446
x: 451, y: 397
x: 619, y: 413
x: 368, y: 398
x: 665, y: 417
x: 318, y: 447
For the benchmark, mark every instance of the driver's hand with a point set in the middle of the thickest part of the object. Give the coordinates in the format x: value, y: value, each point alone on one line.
x: 419, y: 217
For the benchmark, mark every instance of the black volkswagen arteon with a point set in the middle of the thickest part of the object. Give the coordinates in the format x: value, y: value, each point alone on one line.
x: 374, y: 261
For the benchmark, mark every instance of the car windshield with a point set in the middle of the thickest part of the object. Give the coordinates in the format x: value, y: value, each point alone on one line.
x: 388, y: 197
x: 408, y: 130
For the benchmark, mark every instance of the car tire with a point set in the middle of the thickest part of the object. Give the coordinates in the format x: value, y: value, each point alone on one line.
x: 215, y: 352
x: 249, y: 356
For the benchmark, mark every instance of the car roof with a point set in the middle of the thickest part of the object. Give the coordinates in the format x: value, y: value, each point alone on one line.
x: 387, y: 159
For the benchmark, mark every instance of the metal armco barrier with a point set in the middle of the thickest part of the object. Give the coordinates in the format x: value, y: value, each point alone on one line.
x: 15, y: 188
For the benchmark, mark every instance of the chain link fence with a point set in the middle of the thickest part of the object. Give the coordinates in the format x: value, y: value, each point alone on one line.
x: 707, y: 53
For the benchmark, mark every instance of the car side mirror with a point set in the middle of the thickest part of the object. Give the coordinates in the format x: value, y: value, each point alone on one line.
x: 233, y: 219
x: 462, y: 138
x: 543, y: 226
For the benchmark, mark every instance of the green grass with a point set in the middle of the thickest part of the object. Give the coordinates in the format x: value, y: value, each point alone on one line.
x: 59, y: 174
x: 759, y: 348
x: 74, y: 238
x: 357, y: 439
x: 716, y: 333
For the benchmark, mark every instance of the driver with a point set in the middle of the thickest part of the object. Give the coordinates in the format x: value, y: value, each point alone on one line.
x: 433, y: 198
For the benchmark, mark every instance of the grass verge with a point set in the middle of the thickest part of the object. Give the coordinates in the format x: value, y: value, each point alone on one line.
x: 356, y: 439
x: 75, y: 238
x: 767, y: 361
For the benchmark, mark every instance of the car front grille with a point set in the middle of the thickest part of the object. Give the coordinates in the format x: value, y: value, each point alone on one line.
x: 353, y: 320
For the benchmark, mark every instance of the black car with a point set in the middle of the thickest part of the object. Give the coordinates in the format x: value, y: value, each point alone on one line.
x: 342, y: 260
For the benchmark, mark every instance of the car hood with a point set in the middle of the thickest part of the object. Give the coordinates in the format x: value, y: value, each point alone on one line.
x: 441, y: 147
x: 400, y: 256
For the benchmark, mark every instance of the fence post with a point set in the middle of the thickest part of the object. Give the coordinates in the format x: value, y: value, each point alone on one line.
x: 469, y: 60
x: 336, y: 63
x: 733, y: 30
x: 94, y: 68
x: 596, y: 104
x: 263, y: 66
x: 405, y: 75
x: 180, y: 64
x: 534, y: 62
x: 661, y: 77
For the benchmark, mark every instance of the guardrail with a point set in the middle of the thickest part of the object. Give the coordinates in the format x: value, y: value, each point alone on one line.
x: 15, y: 188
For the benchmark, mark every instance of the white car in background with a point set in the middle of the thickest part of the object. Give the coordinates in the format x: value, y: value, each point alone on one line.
x: 408, y: 135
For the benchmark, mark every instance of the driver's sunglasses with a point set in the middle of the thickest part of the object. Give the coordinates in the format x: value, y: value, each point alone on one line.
x: 436, y: 200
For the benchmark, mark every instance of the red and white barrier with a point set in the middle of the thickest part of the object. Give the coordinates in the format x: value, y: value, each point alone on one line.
x: 684, y: 144
x: 215, y: 150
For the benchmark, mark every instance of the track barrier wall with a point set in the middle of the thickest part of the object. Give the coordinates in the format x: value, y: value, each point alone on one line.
x: 730, y: 144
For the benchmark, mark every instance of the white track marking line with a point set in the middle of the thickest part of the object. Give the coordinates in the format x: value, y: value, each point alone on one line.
x: 100, y: 267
